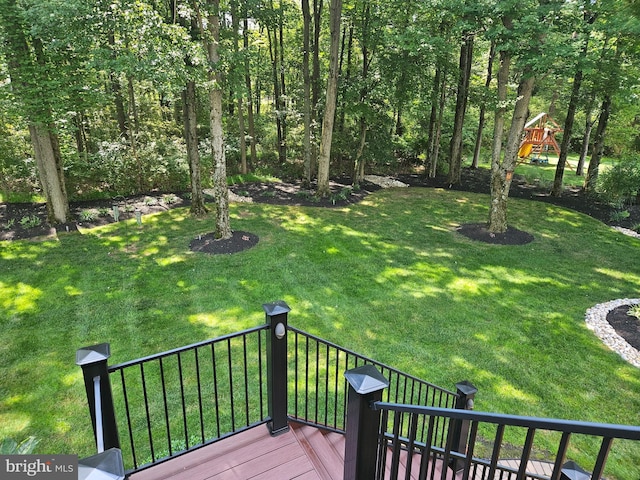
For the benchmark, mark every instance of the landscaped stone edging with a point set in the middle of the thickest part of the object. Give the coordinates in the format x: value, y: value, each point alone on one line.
x: 596, y: 319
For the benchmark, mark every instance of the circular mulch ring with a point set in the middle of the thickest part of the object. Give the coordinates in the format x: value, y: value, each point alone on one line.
x: 605, y: 319
x: 238, y: 242
x: 479, y: 232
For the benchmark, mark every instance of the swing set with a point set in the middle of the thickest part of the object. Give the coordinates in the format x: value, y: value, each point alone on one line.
x: 539, y: 136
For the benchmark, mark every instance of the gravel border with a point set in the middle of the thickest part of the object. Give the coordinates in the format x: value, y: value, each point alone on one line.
x: 596, y: 319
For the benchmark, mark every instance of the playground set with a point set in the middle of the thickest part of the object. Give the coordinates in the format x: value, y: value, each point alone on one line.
x: 539, y: 136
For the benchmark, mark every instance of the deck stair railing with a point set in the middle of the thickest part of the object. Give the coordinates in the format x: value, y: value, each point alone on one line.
x: 400, y: 431
x: 171, y: 403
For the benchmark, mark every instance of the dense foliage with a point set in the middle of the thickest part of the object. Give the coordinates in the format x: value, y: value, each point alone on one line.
x: 107, y: 79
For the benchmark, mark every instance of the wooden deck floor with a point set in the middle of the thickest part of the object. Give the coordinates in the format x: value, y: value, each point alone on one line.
x: 304, y: 453
x: 254, y: 454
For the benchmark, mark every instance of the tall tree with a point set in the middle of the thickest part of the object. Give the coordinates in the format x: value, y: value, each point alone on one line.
x: 248, y: 86
x: 330, y: 102
x: 483, y: 106
x: 29, y: 73
x: 464, y: 77
x: 306, y: 96
x: 590, y: 181
x: 556, y: 191
x: 235, y: 26
x: 220, y: 189
x: 526, y: 38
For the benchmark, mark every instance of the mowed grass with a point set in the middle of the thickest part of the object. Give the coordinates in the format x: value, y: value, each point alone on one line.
x: 389, y: 278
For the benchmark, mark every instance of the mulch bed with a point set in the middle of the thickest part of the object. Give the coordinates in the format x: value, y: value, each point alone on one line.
x: 238, y: 242
x: 625, y: 325
x: 480, y: 232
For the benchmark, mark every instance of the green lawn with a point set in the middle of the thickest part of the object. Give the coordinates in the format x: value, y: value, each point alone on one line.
x: 544, y: 174
x: 389, y: 278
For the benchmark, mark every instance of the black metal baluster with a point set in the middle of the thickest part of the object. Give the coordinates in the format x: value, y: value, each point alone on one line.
x: 184, y: 406
x: 526, y: 454
x: 295, y: 375
x: 496, y: 450
x: 326, y: 387
x: 315, y: 417
x: 128, y: 413
x: 395, y: 444
x: 246, y: 379
x: 200, y: 408
x: 473, y: 434
x: 166, y: 406
x: 146, y: 407
x: 426, y: 454
x: 413, y: 428
x: 306, y: 380
x: 260, y: 376
x: 231, y: 392
x: 215, y: 387
x: 605, y: 446
x: 335, y: 400
x: 382, y: 445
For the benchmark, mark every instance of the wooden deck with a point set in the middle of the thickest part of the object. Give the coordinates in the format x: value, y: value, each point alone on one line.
x: 304, y: 453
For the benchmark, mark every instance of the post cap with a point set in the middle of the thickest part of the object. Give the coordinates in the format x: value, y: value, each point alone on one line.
x: 572, y: 471
x: 93, y: 354
x: 105, y: 465
x: 366, y: 379
x: 466, y: 388
x: 276, y: 308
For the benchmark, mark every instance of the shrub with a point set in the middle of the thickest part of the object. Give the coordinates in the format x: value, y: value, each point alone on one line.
x: 634, y: 311
x: 30, y: 221
x: 621, y: 183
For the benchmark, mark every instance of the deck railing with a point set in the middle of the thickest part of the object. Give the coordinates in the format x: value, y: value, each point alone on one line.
x: 319, y: 393
x: 167, y: 404
x: 173, y: 402
x: 406, y: 434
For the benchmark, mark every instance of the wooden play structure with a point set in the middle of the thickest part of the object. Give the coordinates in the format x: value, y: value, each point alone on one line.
x: 539, y: 135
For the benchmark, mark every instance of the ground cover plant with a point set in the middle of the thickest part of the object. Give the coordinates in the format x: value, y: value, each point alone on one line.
x: 388, y: 277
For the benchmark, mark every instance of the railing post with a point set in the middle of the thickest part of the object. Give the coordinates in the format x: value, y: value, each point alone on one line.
x: 277, y: 318
x: 93, y: 361
x: 366, y: 384
x: 459, y: 429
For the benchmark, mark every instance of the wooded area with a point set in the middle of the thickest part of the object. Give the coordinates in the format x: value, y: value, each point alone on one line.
x: 103, y: 98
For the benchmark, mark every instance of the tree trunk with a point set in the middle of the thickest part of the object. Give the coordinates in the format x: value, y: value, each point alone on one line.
x: 498, y: 210
x: 586, y: 141
x: 431, y: 129
x: 501, y: 178
x: 277, y: 94
x: 435, y: 152
x: 26, y: 68
x: 315, y: 80
x: 49, y: 167
x: 358, y: 164
x: 306, y: 100
x: 220, y: 189
x: 247, y: 80
x: 330, y: 104
x: 116, y: 89
x: 455, y: 149
x: 235, y: 22
x: 193, y: 155
x: 591, y: 179
x: 556, y: 191
x: 483, y: 107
